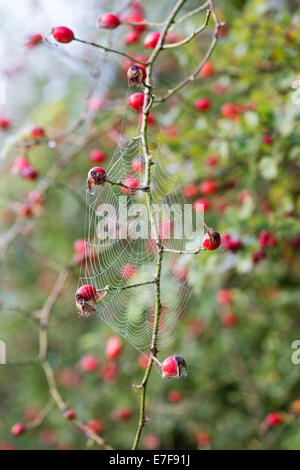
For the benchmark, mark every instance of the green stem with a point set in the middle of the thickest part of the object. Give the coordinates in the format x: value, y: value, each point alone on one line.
x: 148, y: 102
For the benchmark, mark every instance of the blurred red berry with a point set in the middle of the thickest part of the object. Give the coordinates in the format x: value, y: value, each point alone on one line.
x: 151, y: 119
x: 89, y: 363
x: 137, y: 165
x: 190, y: 191
x: 203, y: 438
x: 151, y: 39
x: 113, y: 347
x: 18, y: 164
x: 229, y: 319
x: 108, y: 21
x: 143, y: 361
x: 122, y: 414
x: 266, y: 239
x: 98, y: 156
x: 109, y: 372
x: 174, y: 396
x: 231, y: 244
x: 295, y: 407
x: 137, y: 17
x: 68, y: 377
x: 62, y: 34
x: 33, y: 40
x: 95, y: 425
x: 230, y: 111
x: 207, y: 69
x: 203, y: 104
x: 274, y: 419
x: 136, y: 101
x: 132, y: 37
x: 201, y: 205
x: 267, y: 139
x: 224, y: 296
x: 29, y: 173
x: 212, y: 160
x: 70, y: 415
x: 24, y: 210
x: 96, y: 104
x: 258, y: 256
x: 18, y: 429
x: 131, y: 182
x: 37, y: 132
x: 208, y: 186
x: 151, y: 442
x: 196, y: 327
x: 5, y: 123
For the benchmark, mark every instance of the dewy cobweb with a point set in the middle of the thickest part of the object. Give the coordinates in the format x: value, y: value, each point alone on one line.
x: 118, y: 262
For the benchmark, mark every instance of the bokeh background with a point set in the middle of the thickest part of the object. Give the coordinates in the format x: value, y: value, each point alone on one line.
x: 237, y: 333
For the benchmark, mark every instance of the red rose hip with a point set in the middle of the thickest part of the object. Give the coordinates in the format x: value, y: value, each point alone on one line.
x: 108, y: 21
x: 203, y: 104
x: 173, y: 366
x: 87, y: 292
x: 211, y: 240
x: 18, y: 429
x: 136, y: 101
x: 97, y: 156
x: 113, y: 347
x: 152, y: 39
x: 63, y: 34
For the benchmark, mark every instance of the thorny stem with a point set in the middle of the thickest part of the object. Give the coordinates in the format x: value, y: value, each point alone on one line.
x: 148, y: 102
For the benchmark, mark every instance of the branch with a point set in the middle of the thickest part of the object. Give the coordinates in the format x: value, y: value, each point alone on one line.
x: 107, y: 49
x: 119, y: 183
x: 191, y: 36
x: 192, y: 77
x: 43, y: 343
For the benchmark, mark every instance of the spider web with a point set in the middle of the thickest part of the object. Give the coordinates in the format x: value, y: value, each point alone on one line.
x: 131, y: 312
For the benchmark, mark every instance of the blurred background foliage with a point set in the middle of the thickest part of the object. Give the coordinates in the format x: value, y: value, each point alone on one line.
x: 237, y: 343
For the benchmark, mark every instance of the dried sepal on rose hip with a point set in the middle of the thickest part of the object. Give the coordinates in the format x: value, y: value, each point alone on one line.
x: 211, y: 240
x: 136, y: 75
x: 173, y: 366
x: 86, y: 297
x: 96, y: 176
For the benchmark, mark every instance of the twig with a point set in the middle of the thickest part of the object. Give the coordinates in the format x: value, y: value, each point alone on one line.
x: 191, y: 36
x: 119, y: 183
x: 107, y: 49
x: 192, y: 77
